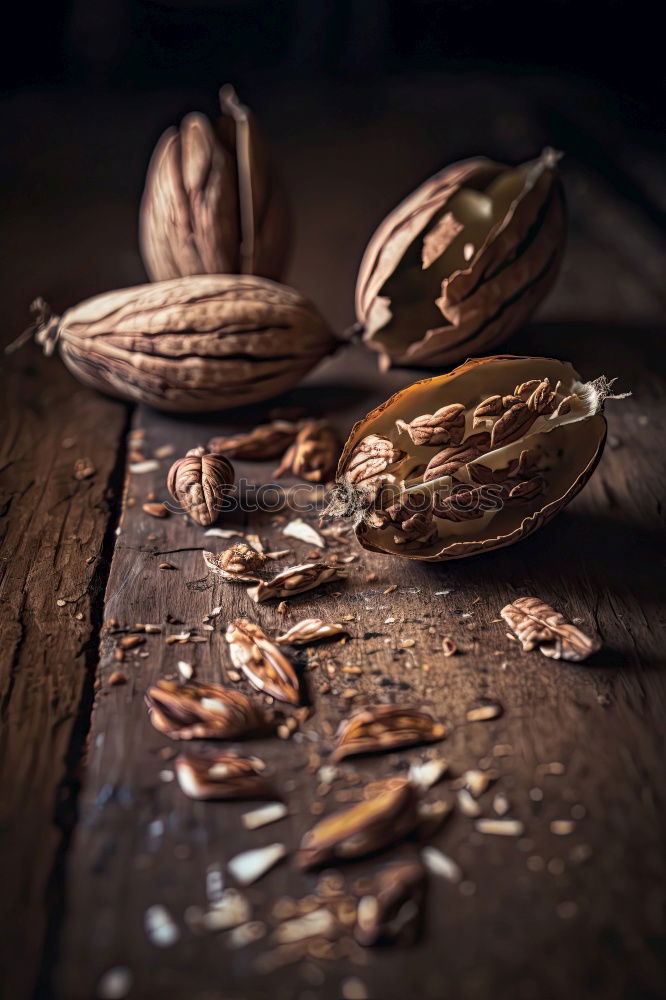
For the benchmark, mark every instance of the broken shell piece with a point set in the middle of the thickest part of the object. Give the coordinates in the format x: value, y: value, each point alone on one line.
x: 295, y: 580
x: 425, y: 774
x: 304, y: 532
x: 249, y: 866
x: 310, y: 630
x: 500, y: 827
x: 391, y: 911
x: 265, y: 666
x: 203, y: 711
x: 484, y: 713
x: 537, y: 625
x: 361, y: 829
x: 237, y: 563
x: 441, y: 864
x: 317, y: 923
x: 381, y: 728
x: 468, y: 805
x: 264, y: 815
x: 231, y: 910
x: 476, y: 782
x: 160, y: 928
x: 246, y: 934
x: 212, y: 774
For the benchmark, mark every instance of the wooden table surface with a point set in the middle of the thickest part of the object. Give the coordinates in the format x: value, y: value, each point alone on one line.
x: 92, y: 829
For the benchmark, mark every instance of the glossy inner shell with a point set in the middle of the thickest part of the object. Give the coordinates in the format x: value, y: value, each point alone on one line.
x: 417, y: 285
x: 567, y: 448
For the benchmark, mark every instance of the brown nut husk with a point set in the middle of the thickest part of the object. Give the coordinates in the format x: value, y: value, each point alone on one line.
x: 203, y: 343
x: 212, y: 202
x: 199, y: 483
x: 434, y: 504
x: 462, y: 262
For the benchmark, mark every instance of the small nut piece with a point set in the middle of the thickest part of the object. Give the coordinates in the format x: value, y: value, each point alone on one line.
x: 314, y: 454
x: 199, y: 482
x: 462, y: 262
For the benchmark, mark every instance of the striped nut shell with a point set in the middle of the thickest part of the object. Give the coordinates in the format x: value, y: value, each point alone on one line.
x: 532, y: 437
x: 203, y: 343
x: 212, y: 203
x: 462, y: 262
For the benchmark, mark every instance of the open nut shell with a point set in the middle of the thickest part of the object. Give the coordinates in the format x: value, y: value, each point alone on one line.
x: 462, y: 262
x: 550, y: 462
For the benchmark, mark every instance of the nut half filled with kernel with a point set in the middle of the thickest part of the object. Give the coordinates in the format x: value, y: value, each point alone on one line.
x: 470, y: 461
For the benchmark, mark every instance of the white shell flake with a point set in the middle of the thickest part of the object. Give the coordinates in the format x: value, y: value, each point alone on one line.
x: 251, y: 865
x: 298, y: 528
x: 441, y: 864
x: 114, y: 984
x: 264, y: 815
x: 160, y: 928
x: 425, y: 774
x: 501, y: 827
x: 314, y: 924
x: 150, y: 465
x: 230, y: 910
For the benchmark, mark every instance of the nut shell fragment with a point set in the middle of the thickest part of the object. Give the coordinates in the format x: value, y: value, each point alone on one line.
x: 262, y: 442
x: 203, y: 711
x: 265, y: 666
x: 383, y: 728
x: 391, y: 912
x: 310, y: 630
x: 314, y: 454
x: 212, y: 774
x: 295, y: 580
x: 361, y: 829
x: 538, y: 626
x: 462, y: 262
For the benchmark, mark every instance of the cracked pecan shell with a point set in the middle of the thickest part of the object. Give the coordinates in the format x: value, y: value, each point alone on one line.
x: 462, y: 262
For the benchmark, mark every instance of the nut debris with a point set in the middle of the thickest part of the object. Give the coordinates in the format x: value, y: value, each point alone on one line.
x: 310, y: 630
x: 249, y: 866
x: 295, y: 580
x: 203, y: 711
x: 298, y: 528
x: 214, y: 774
x: 467, y: 804
x: 155, y: 509
x: 476, y: 782
x: 538, y: 626
x: 139, y: 468
x: 185, y: 669
x: 449, y: 647
x: 317, y: 923
x: 246, y: 934
x: 237, y: 563
x: 484, y: 713
x: 562, y: 827
x: 441, y: 864
x: 114, y: 984
x: 500, y: 827
x: 230, y: 910
x: 160, y: 928
x: 314, y: 454
x: 501, y: 804
x: 261, y: 443
x: 264, y: 815
x: 382, y: 728
x: 425, y: 774
x: 390, y: 912
x: 360, y: 829
x: 265, y: 666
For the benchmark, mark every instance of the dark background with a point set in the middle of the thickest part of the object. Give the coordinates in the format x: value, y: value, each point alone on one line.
x: 140, y: 43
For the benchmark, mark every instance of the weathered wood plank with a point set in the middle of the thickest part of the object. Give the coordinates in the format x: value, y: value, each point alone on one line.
x: 54, y: 552
x: 141, y: 842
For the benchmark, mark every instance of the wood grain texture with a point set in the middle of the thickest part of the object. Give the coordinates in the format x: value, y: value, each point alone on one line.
x: 142, y: 842
x: 52, y: 534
